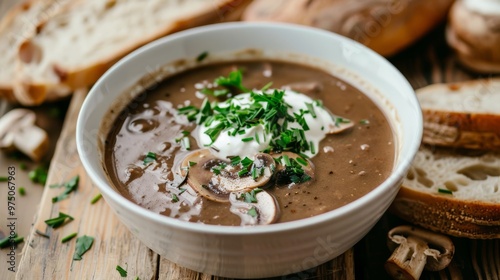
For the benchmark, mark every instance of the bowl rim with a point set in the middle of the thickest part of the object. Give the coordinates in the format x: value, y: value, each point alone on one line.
x: 108, y: 192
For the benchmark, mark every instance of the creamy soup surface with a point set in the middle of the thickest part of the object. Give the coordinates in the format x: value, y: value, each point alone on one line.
x: 159, y: 155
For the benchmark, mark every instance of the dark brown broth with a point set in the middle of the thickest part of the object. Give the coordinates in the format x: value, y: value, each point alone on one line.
x: 342, y: 176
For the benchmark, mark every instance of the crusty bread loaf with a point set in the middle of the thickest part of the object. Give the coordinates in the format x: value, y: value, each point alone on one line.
x: 17, y: 25
x: 76, y: 45
x: 473, y: 31
x: 472, y: 209
x: 465, y: 114
x: 386, y: 26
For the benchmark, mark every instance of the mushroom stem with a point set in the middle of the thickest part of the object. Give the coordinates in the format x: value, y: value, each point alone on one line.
x: 408, y: 260
x: 18, y: 131
x: 416, y: 249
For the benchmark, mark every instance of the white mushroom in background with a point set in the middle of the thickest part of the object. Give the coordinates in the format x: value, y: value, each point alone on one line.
x: 18, y: 131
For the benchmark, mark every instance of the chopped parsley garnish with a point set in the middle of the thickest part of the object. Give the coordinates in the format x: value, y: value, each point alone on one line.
x: 246, y: 162
x: 70, y: 186
x: 96, y: 198
x: 189, y: 111
x: 252, y: 212
x: 364, y: 121
x: 123, y: 272
x: 338, y: 120
x: 150, y: 157
x: 175, y: 198
x: 69, y: 237
x: 445, y: 191
x: 293, y: 173
x: 232, y: 81
x: 218, y: 168
x: 267, y: 109
x: 249, y: 197
x: 58, y: 221
x: 301, y: 161
x: 235, y: 160
x: 192, y: 163
x: 83, y: 244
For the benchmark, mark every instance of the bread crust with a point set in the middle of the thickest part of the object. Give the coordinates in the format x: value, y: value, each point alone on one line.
x: 461, y: 119
x: 454, y: 129
x: 385, y: 26
x: 443, y: 213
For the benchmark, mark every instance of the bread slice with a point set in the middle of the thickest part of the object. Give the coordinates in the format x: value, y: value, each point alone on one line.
x: 76, y: 46
x: 17, y: 25
x: 465, y: 115
x: 452, y: 193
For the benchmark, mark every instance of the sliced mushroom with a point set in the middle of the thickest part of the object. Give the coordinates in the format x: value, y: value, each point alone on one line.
x: 215, y: 179
x: 416, y: 249
x: 304, y: 87
x: 341, y: 125
x: 282, y: 176
x: 262, y: 212
x: 19, y: 132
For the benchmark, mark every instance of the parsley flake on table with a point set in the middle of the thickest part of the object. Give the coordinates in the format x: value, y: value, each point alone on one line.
x: 83, y: 244
x: 8, y: 241
x: 39, y: 175
x: 69, y: 186
x: 96, y: 198
x: 68, y: 237
x: 58, y: 221
x: 123, y: 272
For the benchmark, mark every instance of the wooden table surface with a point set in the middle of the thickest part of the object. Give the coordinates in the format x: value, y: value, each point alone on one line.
x: 428, y: 61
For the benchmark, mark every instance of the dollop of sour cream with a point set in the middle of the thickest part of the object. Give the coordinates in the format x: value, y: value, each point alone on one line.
x: 226, y: 145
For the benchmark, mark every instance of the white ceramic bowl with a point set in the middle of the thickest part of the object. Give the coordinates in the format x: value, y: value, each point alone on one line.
x: 262, y: 251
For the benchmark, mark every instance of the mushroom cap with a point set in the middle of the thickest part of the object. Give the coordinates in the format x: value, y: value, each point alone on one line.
x: 215, y: 178
x: 263, y: 212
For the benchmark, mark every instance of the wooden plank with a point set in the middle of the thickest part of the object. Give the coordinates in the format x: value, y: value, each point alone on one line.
x: 48, y: 258
x: 341, y: 268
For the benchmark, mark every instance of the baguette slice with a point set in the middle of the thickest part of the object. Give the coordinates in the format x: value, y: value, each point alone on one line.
x: 472, y: 209
x: 17, y: 25
x: 465, y: 115
x: 76, y: 46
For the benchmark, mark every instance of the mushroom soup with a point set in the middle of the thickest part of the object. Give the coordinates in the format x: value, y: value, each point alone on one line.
x: 247, y: 143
